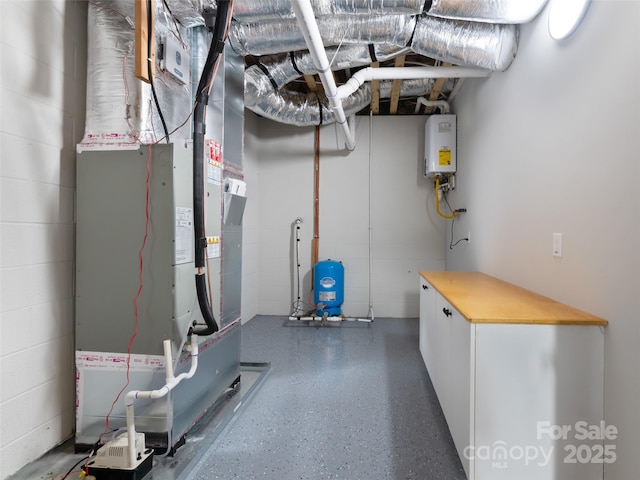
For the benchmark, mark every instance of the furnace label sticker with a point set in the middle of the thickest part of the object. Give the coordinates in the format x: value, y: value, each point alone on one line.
x: 184, y: 235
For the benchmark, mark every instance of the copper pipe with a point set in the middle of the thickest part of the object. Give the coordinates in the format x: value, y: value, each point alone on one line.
x: 316, y: 200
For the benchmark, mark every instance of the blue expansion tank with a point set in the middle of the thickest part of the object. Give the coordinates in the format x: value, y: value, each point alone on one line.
x: 328, y: 287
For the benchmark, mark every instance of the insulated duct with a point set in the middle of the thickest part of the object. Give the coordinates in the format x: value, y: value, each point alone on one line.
x: 484, y: 45
x: 265, y: 38
x: 120, y: 109
x: 261, y: 10
x: 190, y: 12
x: 295, y: 108
x: 493, y: 11
x: 491, y: 47
x: 274, y: 72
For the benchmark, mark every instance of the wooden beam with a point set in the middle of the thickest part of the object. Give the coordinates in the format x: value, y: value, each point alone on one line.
x: 395, y: 89
x: 311, y: 83
x: 437, y: 89
x: 145, y: 44
x: 375, y: 92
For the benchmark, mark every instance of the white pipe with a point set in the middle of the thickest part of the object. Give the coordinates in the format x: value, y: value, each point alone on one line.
x: 307, y: 23
x: 405, y: 73
x: 432, y: 103
x: 171, y: 382
x: 456, y: 89
x: 316, y: 318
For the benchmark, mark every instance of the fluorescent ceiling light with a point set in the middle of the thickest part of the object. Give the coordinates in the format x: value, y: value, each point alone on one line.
x: 565, y: 16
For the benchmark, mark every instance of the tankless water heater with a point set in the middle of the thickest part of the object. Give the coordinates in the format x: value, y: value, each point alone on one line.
x: 440, y: 145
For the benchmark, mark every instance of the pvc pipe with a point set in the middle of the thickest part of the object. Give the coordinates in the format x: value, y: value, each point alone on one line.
x: 406, y: 73
x: 307, y: 23
x: 432, y: 103
x: 315, y: 318
x: 171, y: 382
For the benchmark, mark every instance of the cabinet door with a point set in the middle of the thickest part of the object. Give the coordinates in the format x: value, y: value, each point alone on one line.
x: 427, y: 319
x: 441, y: 346
x: 460, y: 373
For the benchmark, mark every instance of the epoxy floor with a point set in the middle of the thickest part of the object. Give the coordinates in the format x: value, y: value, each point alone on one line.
x: 346, y: 401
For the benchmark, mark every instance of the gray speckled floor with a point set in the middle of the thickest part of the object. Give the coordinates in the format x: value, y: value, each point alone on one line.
x: 346, y: 401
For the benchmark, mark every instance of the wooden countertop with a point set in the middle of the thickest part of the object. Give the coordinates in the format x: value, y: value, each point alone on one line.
x: 481, y: 298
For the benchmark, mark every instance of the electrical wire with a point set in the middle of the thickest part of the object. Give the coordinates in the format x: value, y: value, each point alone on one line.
x: 72, y: 469
x: 178, y: 34
x: 453, y: 219
x: 451, y: 244
x: 150, y: 72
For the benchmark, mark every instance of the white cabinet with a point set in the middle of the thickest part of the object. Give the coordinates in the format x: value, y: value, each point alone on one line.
x: 428, y: 330
x: 446, y: 351
x: 519, y: 378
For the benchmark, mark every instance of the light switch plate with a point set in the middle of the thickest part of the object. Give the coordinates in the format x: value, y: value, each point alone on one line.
x: 557, y: 245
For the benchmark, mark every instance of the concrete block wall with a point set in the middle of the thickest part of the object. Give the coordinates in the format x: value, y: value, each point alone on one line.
x: 42, y: 98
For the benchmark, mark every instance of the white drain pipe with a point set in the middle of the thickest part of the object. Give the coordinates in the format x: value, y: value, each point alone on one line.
x: 406, y: 73
x: 443, y: 104
x: 307, y: 23
x: 309, y: 27
x: 171, y: 382
x: 316, y: 318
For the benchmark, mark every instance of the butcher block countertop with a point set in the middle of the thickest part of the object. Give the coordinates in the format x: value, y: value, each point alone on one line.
x: 481, y: 298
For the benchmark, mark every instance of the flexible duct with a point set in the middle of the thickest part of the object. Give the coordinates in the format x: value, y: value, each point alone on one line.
x: 119, y: 107
x: 494, y: 11
x: 295, y: 108
x: 276, y: 71
x: 260, y: 10
x: 264, y: 38
x: 483, y: 45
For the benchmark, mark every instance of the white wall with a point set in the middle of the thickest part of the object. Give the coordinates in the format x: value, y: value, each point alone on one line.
x: 553, y: 145
x: 41, y: 119
x: 251, y: 219
x: 407, y: 235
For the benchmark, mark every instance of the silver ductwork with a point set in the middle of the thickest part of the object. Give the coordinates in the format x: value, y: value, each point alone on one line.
x: 265, y: 38
x: 260, y: 10
x: 295, y: 108
x: 484, y: 45
x: 120, y: 108
x: 488, y: 46
x: 493, y: 11
x: 276, y: 71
